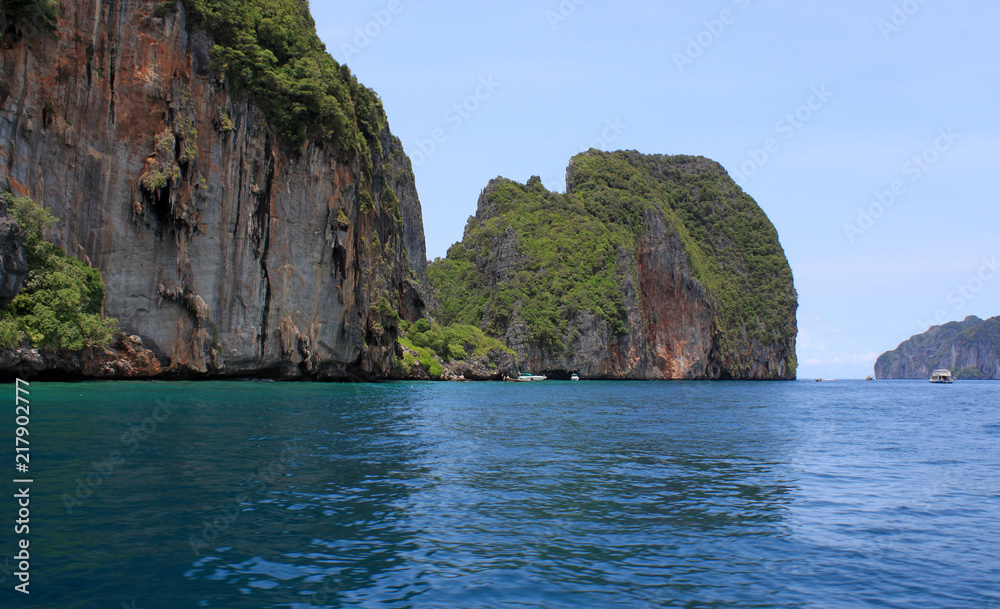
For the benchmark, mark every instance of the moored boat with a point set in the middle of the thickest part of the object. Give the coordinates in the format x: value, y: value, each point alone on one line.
x: 942, y: 376
x: 527, y: 377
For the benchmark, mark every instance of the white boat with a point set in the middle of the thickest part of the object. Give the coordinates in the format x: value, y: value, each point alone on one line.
x: 527, y: 377
x: 942, y: 376
x: 575, y: 377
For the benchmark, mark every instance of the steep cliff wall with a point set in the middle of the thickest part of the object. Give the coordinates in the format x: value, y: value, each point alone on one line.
x: 665, y: 310
x: 13, y: 256
x: 969, y: 348
x: 226, y: 249
x: 649, y: 267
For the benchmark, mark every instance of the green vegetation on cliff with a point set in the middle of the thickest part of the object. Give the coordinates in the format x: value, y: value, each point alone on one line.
x: 566, y: 262
x: 40, y: 14
x: 573, y: 252
x: 429, y: 344
x: 732, y: 247
x: 969, y: 348
x: 59, y: 306
x: 970, y: 373
x: 270, y: 49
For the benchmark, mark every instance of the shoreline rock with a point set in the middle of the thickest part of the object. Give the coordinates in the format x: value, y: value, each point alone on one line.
x: 125, y: 359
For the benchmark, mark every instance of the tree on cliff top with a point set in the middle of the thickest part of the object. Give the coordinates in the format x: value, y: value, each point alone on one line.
x: 59, y: 306
x: 270, y: 48
x: 39, y: 14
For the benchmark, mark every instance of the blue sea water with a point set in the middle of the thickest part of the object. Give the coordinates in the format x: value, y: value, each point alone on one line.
x: 556, y: 494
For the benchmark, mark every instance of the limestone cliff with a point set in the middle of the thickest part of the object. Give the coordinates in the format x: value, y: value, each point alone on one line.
x: 649, y: 267
x: 969, y: 348
x: 228, y: 250
x: 13, y: 256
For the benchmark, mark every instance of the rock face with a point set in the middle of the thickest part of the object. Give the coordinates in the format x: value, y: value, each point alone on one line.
x: 667, y: 311
x: 676, y: 312
x: 699, y: 286
x: 13, y: 256
x: 227, y: 251
x: 969, y: 348
x: 125, y: 358
x: 496, y: 366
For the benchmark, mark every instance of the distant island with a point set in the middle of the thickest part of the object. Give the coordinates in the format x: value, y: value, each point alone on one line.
x: 969, y: 348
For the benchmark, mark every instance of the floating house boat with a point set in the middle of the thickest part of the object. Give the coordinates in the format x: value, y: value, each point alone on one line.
x: 942, y: 376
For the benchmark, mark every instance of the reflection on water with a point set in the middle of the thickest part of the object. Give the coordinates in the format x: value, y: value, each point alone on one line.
x: 243, y: 495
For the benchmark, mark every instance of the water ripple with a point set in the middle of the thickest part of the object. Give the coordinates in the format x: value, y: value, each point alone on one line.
x: 551, y: 495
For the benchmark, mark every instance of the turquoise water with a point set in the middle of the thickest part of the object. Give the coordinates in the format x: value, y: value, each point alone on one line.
x: 263, y: 495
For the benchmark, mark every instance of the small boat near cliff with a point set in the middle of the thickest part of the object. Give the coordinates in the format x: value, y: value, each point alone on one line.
x: 942, y: 376
x: 527, y: 377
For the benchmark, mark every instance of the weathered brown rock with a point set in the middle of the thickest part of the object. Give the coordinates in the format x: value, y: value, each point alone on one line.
x: 124, y: 359
x: 497, y: 366
x: 668, y: 312
x: 228, y: 252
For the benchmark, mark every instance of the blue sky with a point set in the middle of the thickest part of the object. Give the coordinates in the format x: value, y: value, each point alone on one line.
x: 869, y: 131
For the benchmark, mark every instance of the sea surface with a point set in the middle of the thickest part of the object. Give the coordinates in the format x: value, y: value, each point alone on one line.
x: 557, y: 494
